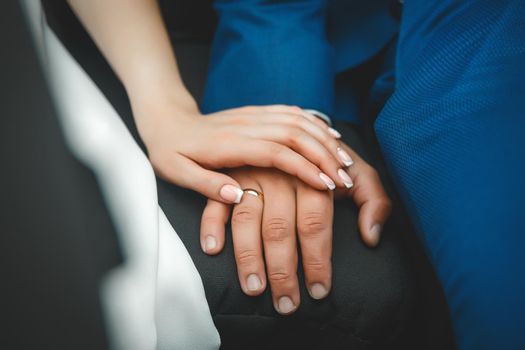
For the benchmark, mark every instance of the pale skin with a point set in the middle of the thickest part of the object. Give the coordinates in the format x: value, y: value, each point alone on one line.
x: 282, y: 151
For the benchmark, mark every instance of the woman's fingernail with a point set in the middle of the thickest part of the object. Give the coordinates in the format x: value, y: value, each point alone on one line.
x: 210, y: 243
x: 374, y: 234
x: 253, y: 283
x: 345, y: 178
x: 327, y: 181
x: 285, y: 305
x: 318, y: 291
x: 334, y: 133
x: 231, y: 193
x: 344, y: 156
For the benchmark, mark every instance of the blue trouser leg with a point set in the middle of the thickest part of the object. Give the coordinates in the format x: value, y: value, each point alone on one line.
x: 453, y: 135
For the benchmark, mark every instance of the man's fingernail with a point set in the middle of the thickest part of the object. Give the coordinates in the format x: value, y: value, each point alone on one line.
x: 318, y: 291
x: 210, y: 243
x: 253, y: 283
x: 327, y: 181
x: 231, y: 193
x: 334, y: 133
x: 285, y: 305
x: 345, y: 178
x: 374, y: 234
x: 344, y: 156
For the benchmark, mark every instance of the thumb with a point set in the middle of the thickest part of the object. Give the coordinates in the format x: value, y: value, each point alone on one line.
x: 186, y: 173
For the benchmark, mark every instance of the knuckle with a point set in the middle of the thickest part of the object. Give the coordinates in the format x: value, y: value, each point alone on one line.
x: 293, y: 135
x: 295, y: 109
x: 244, y: 214
x: 312, y: 223
x: 296, y: 120
x: 315, y: 265
x: 275, y: 149
x: 237, y: 119
x: 247, y: 257
x: 386, y: 203
x: 209, y: 219
x: 276, y: 230
x: 279, y: 276
x: 370, y: 172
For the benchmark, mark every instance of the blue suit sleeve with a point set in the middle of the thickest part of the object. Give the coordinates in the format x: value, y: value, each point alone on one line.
x: 270, y: 52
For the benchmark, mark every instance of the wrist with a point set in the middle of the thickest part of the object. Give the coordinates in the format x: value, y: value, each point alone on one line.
x: 154, y: 112
x: 154, y: 104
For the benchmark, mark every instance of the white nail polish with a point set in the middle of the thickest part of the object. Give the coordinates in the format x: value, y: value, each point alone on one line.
x: 334, y: 133
x: 253, y: 283
x: 231, y: 193
x: 210, y: 243
x: 318, y: 291
x: 374, y: 233
x: 327, y: 181
x: 239, y: 193
x: 344, y: 156
x: 345, y: 178
x: 285, y: 305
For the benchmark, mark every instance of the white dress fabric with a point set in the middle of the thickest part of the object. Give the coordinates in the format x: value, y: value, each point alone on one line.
x: 155, y: 299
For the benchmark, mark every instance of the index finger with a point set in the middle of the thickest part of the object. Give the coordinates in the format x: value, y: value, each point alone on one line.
x: 267, y: 154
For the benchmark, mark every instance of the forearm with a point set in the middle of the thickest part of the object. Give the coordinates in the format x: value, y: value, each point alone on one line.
x: 134, y: 40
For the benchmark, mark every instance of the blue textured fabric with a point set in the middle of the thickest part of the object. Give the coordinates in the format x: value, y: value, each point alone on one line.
x: 357, y: 29
x: 453, y: 135
x: 453, y: 132
x: 288, y: 51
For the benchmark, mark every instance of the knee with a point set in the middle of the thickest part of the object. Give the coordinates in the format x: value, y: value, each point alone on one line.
x: 375, y: 304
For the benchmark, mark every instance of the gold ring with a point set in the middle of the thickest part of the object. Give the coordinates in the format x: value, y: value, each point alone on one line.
x: 254, y: 193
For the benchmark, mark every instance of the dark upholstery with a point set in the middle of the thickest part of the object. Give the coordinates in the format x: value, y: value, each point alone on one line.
x: 56, y: 238
x: 377, y: 300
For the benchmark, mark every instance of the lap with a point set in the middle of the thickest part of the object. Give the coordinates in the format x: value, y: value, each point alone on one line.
x: 369, y: 301
x: 372, y: 289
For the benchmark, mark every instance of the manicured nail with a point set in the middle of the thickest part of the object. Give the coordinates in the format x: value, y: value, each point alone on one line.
x: 374, y: 233
x: 327, y: 181
x: 334, y: 133
x: 345, y: 178
x: 318, y: 291
x: 344, y: 156
x: 210, y: 243
x: 231, y: 193
x: 253, y: 283
x: 285, y: 305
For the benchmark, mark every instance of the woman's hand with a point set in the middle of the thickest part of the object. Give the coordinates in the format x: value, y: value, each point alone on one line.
x: 185, y: 146
x: 289, y: 211
x: 182, y: 144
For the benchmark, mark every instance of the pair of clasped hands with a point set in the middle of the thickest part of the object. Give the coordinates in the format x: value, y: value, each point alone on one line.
x: 284, y: 153
x: 296, y: 162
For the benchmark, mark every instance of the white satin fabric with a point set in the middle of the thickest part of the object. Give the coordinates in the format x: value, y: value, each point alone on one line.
x: 155, y: 299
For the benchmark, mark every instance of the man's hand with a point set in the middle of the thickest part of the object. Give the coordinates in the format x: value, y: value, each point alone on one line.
x: 291, y: 211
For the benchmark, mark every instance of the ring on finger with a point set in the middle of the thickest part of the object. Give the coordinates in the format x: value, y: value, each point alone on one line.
x: 254, y: 193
